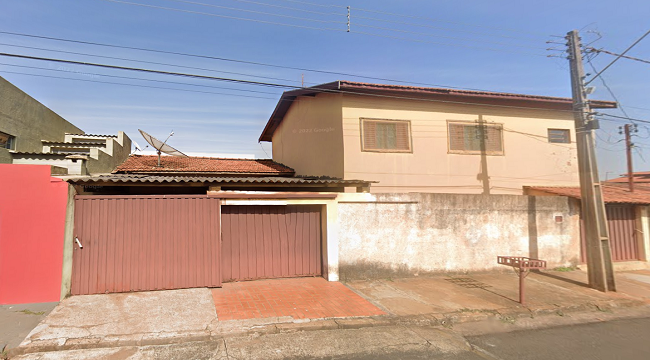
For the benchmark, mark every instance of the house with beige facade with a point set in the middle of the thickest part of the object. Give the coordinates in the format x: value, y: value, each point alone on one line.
x: 420, y: 139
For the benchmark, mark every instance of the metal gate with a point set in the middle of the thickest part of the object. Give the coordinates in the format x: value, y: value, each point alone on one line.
x: 270, y: 241
x: 623, y: 240
x: 135, y: 243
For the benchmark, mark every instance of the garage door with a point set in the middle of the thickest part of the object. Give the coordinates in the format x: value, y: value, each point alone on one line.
x: 270, y: 241
x: 623, y: 240
x: 135, y: 243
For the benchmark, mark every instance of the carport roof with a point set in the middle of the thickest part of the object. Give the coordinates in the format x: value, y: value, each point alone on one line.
x: 612, y: 194
x: 123, y: 179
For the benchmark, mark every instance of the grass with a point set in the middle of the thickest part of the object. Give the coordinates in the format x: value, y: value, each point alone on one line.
x: 564, y: 268
x: 29, y: 312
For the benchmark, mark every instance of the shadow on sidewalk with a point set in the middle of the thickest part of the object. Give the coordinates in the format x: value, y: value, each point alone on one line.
x: 562, y: 278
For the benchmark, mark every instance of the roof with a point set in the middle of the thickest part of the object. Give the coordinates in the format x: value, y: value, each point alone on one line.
x: 638, y: 177
x: 92, y: 135
x: 161, y: 179
x: 430, y: 93
x: 148, y: 164
x: 612, y: 194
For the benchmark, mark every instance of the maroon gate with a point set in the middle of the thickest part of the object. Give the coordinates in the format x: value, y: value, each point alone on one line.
x: 623, y: 240
x: 135, y: 243
x: 270, y: 241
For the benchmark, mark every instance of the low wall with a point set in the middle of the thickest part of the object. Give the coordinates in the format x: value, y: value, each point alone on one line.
x: 388, y: 235
x: 32, y: 223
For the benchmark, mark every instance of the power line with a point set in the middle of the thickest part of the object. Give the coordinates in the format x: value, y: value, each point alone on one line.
x: 313, y: 28
x: 313, y: 4
x: 267, y: 84
x: 445, y: 37
x: 290, y: 8
x: 147, y: 62
x: 140, y: 79
x: 224, y: 16
x: 624, y: 117
x: 439, y: 20
x: 602, y: 79
x: 613, y: 61
x: 615, y: 54
x: 256, y: 12
x: 445, y: 44
x: 233, y: 60
x: 434, y: 27
x: 136, y: 85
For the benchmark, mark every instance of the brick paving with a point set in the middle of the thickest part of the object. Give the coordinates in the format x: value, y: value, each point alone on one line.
x: 300, y: 298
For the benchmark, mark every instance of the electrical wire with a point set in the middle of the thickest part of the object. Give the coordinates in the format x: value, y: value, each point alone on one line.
x: 234, y: 60
x: 140, y: 79
x: 615, y: 54
x: 257, y: 12
x: 624, y: 117
x: 267, y: 84
x: 224, y: 16
x: 435, y: 27
x: 148, y: 62
x: 602, y: 79
x: 619, y: 56
x: 446, y: 37
x: 315, y: 28
x: 439, y: 20
x: 313, y: 4
x: 136, y: 85
x: 290, y: 8
x: 440, y: 43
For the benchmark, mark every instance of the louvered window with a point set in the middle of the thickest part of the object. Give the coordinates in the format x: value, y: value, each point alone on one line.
x: 561, y: 136
x: 469, y: 138
x: 386, y: 135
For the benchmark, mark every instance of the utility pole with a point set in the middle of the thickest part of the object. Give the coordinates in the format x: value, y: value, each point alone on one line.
x: 628, y: 150
x: 599, y: 260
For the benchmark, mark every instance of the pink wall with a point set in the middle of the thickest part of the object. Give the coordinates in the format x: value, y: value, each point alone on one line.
x: 32, y: 223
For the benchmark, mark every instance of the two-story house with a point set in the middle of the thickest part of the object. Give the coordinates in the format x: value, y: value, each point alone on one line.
x: 421, y: 139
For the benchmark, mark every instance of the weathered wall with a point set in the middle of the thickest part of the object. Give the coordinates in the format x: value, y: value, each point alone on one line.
x: 528, y: 158
x: 310, y: 138
x: 115, y: 153
x: 384, y: 235
x: 29, y: 121
x: 32, y: 225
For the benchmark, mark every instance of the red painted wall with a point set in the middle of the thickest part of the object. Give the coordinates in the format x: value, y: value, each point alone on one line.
x: 32, y: 225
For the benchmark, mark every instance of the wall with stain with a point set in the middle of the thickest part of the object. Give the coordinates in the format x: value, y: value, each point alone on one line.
x: 387, y: 235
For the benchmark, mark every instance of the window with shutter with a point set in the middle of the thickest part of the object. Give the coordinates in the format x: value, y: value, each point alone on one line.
x: 385, y: 135
x: 562, y: 136
x: 470, y: 137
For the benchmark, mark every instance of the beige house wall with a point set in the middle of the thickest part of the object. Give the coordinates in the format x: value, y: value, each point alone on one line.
x: 310, y: 138
x: 529, y: 159
x: 29, y: 121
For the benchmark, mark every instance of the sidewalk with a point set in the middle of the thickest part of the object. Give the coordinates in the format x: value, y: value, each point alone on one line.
x: 291, y: 305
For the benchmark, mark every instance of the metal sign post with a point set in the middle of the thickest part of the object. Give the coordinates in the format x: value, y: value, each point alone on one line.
x: 522, y: 266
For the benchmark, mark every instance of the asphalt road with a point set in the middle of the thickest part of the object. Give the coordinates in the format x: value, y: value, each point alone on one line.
x: 620, y: 339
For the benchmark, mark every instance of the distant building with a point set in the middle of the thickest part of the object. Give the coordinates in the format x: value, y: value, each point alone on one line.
x: 31, y: 133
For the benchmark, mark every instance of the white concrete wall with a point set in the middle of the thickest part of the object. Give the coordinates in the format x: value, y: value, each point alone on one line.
x: 386, y: 235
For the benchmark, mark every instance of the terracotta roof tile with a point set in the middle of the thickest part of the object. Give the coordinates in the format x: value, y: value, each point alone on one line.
x: 611, y: 193
x: 193, y: 165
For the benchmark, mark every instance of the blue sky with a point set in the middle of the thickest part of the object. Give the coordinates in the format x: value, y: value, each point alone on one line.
x: 490, y: 45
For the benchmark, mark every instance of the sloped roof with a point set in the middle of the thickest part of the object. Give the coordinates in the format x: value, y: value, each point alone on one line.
x: 612, y: 194
x: 430, y: 93
x: 174, y: 179
x: 639, y: 177
x: 148, y: 164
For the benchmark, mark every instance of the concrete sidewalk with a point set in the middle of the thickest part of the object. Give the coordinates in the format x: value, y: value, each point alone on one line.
x: 190, y: 315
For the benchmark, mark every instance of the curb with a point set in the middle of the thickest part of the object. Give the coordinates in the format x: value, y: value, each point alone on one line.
x: 258, y: 327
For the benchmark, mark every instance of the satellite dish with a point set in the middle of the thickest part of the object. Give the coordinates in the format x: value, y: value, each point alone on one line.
x: 161, y: 146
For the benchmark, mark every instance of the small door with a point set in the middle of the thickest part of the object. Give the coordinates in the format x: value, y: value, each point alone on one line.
x: 137, y: 243
x: 270, y: 241
x: 623, y: 239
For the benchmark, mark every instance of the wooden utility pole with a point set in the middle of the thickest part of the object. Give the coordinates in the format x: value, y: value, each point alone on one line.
x: 628, y: 150
x: 599, y: 260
